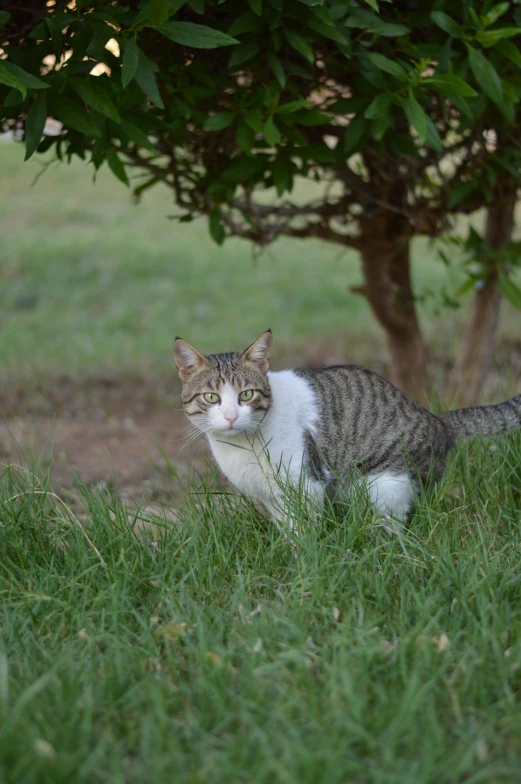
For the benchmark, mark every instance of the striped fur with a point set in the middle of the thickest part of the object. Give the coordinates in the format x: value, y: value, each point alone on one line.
x: 333, y: 426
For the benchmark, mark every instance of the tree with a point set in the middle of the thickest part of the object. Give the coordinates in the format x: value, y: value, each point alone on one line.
x: 405, y: 114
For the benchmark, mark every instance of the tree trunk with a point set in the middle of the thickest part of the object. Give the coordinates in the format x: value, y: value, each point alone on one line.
x: 475, y: 358
x: 385, y: 240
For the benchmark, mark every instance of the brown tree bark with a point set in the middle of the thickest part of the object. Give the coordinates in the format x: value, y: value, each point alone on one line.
x: 385, y: 250
x: 475, y: 357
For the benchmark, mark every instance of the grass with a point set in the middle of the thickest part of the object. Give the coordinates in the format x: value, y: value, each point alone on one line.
x: 213, y: 651
x: 91, y: 284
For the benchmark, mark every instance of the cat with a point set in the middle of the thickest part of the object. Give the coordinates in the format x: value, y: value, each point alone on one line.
x: 325, y: 429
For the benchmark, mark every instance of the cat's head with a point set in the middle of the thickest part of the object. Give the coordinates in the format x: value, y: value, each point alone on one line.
x: 225, y: 393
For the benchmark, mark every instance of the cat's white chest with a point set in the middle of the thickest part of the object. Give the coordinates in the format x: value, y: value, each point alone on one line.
x: 247, y: 468
x: 257, y: 466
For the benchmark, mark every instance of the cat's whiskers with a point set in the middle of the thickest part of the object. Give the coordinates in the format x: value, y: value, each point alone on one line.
x: 188, y: 431
x: 199, y: 434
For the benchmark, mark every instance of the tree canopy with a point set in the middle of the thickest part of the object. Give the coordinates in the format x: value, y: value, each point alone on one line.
x: 405, y: 114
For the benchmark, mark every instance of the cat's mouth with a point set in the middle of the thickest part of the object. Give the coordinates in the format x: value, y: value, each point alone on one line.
x: 232, y: 429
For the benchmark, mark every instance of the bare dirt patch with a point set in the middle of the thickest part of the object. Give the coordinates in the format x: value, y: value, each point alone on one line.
x: 124, y: 432
x: 131, y: 432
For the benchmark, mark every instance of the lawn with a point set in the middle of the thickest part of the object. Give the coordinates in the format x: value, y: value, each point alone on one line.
x: 134, y: 649
x: 216, y: 651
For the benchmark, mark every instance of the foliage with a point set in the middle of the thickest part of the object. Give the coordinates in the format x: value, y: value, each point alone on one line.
x: 476, y: 255
x: 215, y: 99
x: 405, y: 113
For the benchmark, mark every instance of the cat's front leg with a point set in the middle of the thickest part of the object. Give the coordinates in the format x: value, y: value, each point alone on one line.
x: 284, y: 507
x: 392, y: 495
x: 285, y: 522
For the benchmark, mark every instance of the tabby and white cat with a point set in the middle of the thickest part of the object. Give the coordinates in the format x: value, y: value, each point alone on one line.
x: 325, y: 428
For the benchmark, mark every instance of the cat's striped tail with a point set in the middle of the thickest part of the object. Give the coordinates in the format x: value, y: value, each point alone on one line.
x: 483, y: 420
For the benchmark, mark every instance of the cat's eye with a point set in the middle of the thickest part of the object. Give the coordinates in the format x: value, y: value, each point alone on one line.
x: 246, y: 395
x: 211, y: 397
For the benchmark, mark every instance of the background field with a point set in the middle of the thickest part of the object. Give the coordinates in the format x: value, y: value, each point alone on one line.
x: 156, y: 629
x: 91, y: 284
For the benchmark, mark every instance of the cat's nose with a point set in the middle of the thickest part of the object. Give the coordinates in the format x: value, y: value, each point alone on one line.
x: 231, y: 418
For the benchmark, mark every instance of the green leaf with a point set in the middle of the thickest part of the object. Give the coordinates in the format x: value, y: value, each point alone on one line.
x: 379, y: 106
x: 449, y: 84
x: 465, y: 287
x: 256, y: 6
x: 244, y: 169
x: 245, y: 136
x: 447, y: 24
x: 475, y: 18
x: 13, y: 98
x: 486, y: 75
x: 35, y: 124
x: 416, y: 116
x: 27, y: 78
x: 271, y: 133
x: 373, y: 4
x: 381, y: 124
x: 354, y: 133
x: 136, y: 192
x: 174, y: 5
x: 116, y: 165
x: 54, y: 26
x: 461, y: 192
x: 129, y: 61
x: 327, y: 30
x: 489, y: 38
x: 244, y: 52
x: 387, y: 65
x: 146, y: 79
x: 277, y: 69
x: 495, y: 12
x: 433, y: 137
x: 158, y: 11
x: 462, y: 105
x: 511, y: 51
x: 39, y: 32
x: 320, y: 153
x: 389, y: 29
x: 510, y: 290
x: 245, y: 23
x: 8, y: 78
x: 72, y: 115
x: 197, y: 6
x: 255, y: 120
x: 92, y: 92
x: 219, y: 120
x: 292, y: 106
x: 138, y: 136
x: 300, y: 45
x: 366, y: 20
x: 4, y: 18
x: 311, y: 117
x: 217, y: 231
x: 282, y: 172
x: 195, y: 35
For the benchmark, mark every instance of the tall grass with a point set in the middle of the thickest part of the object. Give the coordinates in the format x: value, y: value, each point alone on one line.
x: 135, y: 649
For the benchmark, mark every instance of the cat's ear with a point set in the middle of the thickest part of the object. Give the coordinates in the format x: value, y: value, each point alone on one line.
x: 259, y: 351
x: 187, y: 358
